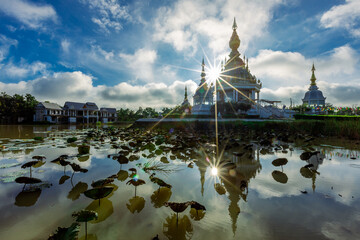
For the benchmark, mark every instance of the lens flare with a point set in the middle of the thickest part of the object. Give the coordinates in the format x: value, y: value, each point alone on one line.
x: 214, y: 171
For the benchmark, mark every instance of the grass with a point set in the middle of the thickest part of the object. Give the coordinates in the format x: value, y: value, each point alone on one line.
x: 328, y: 128
x: 326, y: 117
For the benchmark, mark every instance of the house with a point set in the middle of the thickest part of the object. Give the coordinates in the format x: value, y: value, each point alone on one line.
x: 76, y: 112
x: 108, y: 115
x: 73, y: 112
x: 47, y: 111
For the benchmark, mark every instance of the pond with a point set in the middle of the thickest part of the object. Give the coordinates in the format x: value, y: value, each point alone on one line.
x: 311, y: 191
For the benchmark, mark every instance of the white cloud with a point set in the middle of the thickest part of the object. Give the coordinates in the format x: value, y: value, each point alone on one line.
x: 109, y: 13
x: 23, y: 69
x: 335, y: 93
x: 283, y: 69
x: 182, y: 24
x: 30, y: 14
x: 77, y: 86
x: 287, y: 75
x: 65, y: 45
x: 141, y: 63
x: 346, y: 16
x: 5, y: 44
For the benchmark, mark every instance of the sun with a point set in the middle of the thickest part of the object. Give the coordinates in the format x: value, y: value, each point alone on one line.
x: 213, y: 72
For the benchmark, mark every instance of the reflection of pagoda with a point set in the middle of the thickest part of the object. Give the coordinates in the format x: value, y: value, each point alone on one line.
x: 247, y: 166
x: 203, y: 97
x: 202, y: 169
x: 236, y: 74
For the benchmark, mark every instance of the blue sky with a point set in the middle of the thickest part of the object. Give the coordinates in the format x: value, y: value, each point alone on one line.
x: 138, y: 53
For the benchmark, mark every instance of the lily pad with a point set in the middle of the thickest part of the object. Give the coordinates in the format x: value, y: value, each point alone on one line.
x: 75, y: 192
x: 279, y: 162
x: 280, y: 176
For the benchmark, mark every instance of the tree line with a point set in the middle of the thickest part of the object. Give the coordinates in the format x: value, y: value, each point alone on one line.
x: 17, y: 108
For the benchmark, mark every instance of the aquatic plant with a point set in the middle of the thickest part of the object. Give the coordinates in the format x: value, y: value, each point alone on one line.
x: 177, y: 207
x: 85, y: 216
x: 83, y: 149
x: 71, y: 139
x: 31, y: 164
x: 70, y: 233
x: 280, y: 162
x: 136, y: 182
x: 98, y: 193
x: 159, y: 181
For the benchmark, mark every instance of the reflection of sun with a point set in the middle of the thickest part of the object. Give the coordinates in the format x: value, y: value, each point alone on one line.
x: 214, y: 171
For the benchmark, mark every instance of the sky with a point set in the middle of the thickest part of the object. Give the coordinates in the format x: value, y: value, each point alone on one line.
x: 135, y: 53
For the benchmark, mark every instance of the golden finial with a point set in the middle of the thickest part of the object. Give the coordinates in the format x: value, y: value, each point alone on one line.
x: 234, y: 42
x: 313, y: 78
x: 234, y: 24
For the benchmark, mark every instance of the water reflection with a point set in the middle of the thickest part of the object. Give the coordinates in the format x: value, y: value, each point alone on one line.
x: 314, y: 159
x: 27, y: 198
x: 241, y: 198
x: 136, y: 204
x: 104, y: 210
x: 178, y: 229
x: 75, y: 192
x: 160, y: 196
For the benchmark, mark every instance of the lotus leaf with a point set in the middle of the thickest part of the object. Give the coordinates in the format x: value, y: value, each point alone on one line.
x: 27, y: 198
x: 75, y: 192
x: 122, y: 175
x: 98, y: 193
x: 63, y: 179
x: 280, y: 176
x: 279, y: 162
x: 27, y: 180
x: 306, y: 172
x: 136, y: 204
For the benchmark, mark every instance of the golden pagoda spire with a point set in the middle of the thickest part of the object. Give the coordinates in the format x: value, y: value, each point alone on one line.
x: 234, y: 42
x: 203, y: 74
x: 313, y: 78
x: 234, y: 24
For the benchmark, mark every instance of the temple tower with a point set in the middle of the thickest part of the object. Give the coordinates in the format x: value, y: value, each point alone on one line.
x: 236, y: 83
x: 313, y: 97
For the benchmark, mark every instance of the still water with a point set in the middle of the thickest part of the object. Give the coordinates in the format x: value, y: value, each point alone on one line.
x: 246, y: 197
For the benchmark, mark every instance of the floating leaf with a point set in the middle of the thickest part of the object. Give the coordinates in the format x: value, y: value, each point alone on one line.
x: 122, y: 175
x: 98, y: 193
x: 136, y: 204
x: 75, y: 192
x: 103, y: 211
x: 27, y: 180
x: 27, y: 198
x: 159, y: 197
x: 279, y: 162
x: 306, y: 172
x: 280, y: 176
x: 63, y: 179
